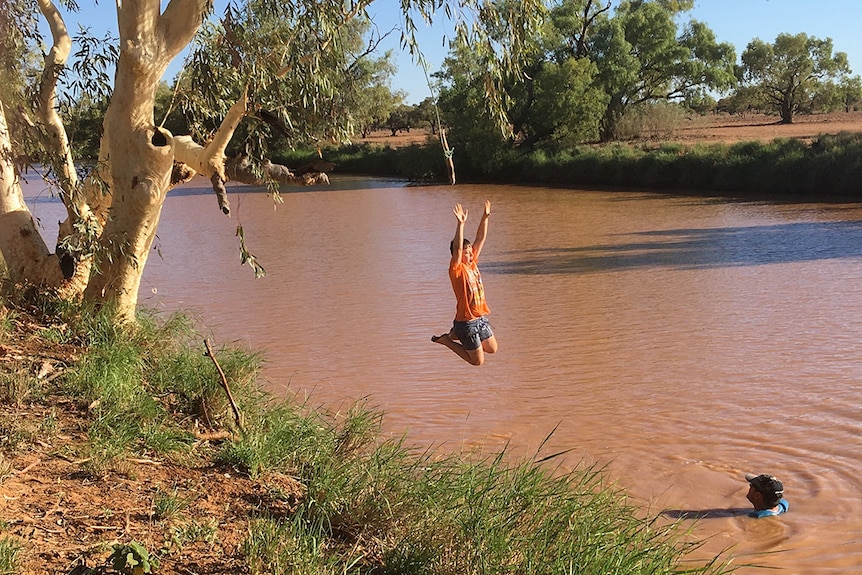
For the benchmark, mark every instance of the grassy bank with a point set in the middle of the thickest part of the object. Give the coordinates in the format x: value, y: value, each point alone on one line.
x: 829, y: 167
x: 120, y: 445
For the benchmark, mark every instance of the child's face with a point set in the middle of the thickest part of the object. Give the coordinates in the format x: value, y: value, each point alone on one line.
x: 467, y: 254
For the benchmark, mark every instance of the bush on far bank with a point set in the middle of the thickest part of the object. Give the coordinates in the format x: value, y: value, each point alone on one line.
x: 828, y: 167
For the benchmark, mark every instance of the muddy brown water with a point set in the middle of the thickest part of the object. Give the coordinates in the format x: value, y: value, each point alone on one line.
x: 678, y: 341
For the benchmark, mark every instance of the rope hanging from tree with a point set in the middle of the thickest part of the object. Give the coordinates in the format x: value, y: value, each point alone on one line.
x: 447, y: 152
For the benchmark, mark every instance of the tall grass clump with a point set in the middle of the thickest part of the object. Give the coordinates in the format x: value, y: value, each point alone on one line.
x: 141, y: 382
x: 383, y: 510
x: 6, y: 319
x: 16, y: 385
x: 168, y: 504
x: 10, y: 549
x: 372, y: 505
x: 493, y: 516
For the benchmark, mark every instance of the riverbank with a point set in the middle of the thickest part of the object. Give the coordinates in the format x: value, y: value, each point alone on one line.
x: 816, y: 157
x: 118, y: 441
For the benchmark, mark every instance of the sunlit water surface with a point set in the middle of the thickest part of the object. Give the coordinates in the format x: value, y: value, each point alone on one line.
x: 680, y: 341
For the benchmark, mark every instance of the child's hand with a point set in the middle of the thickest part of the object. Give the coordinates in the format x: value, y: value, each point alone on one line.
x: 460, y: 213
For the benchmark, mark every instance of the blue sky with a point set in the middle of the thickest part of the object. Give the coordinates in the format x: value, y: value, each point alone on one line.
x: 734, y: 21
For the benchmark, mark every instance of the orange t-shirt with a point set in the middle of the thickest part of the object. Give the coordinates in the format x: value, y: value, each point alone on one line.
x: 469, y: 291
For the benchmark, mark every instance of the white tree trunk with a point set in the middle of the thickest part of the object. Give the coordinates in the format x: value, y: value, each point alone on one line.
x: 139, y: 156
x: 26, y: 255
x: 56, y: 143
x: 113, y: 215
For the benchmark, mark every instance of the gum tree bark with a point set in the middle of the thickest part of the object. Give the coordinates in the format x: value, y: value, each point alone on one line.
x: 23, y: 249
x: 137, y: 157
x: 113, y: 214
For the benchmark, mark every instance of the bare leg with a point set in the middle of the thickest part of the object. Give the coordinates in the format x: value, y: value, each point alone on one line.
x: 490, y: 345
x: 471, y: 356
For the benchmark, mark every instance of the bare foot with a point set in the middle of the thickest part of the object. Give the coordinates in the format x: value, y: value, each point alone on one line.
x: 439, y: 338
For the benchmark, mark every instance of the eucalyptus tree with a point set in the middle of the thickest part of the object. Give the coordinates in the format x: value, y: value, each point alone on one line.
x: 558, y: 104
x: 554, y: 103
x: 425, y: 114
x: 789, y: 73
x: 471, y: 128
x: 589, y: 64
x: 269, y: 61
x: 374, y: 101
x: 643, y: 56
x: 850, y: 92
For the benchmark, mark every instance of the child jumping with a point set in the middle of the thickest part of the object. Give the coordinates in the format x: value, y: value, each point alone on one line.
x: 471, y: 336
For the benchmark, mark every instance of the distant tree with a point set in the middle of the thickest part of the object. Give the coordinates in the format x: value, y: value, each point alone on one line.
x: 471, y: 127
x: 702, y: 103
x: 84, y: 125
x: 791, y: 71
x: 584, y: 70
x: 565, y: 106
x: 166, y: 109
x: 850, y: 92
x: 374, y: 106
x: 641, y: 56
x: 742, y: 101
x: 400, y: 119
x: 368, y: 97
x: 558, y: 104
x: 554, y: 102
x: 425, y: 113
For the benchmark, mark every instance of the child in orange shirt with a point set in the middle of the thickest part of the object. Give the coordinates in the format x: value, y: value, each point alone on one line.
x: 471, y: 336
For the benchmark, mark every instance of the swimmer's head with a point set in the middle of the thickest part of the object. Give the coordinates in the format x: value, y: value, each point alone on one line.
x: 770, y: 489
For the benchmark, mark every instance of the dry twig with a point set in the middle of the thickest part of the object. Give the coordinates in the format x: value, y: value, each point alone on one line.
x: 236, y: 414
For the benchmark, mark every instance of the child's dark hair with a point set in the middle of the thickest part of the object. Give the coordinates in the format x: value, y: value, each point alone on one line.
x: 452, y: 245
x: 770, y: 499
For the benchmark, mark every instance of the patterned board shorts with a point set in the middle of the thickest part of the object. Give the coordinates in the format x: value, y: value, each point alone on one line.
x: 472, y: 333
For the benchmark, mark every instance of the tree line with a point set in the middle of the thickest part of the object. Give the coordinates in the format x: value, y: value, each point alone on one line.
x: 590, y: 74
x: 596, y: 75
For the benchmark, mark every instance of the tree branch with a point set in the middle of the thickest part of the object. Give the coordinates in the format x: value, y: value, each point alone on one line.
x: 223, y: 382
x: 209, y: 161
x: 180, y: 22
x: 55, y: 139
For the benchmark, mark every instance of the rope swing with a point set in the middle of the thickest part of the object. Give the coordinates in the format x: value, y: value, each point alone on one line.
x: 447, y: 152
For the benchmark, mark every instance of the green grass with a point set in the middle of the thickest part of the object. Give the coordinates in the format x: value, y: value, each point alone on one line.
x: 187, y: 532
x: 16, y: 385
x: 10, y: 549
x: 169, y: 504
x: 369, y: 505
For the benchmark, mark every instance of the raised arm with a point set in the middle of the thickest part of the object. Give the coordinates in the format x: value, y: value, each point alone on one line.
x: 458, y: 242
x: 482, y: 232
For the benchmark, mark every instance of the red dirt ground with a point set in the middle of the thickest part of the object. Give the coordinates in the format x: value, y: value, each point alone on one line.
x: 727, y: 129
x: 712, y: 128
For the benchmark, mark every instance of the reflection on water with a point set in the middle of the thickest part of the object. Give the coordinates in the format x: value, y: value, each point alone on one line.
x: 679, y: 341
